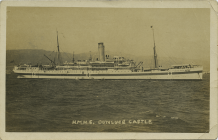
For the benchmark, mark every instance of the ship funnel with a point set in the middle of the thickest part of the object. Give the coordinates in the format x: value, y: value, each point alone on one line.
x: 101, y: 52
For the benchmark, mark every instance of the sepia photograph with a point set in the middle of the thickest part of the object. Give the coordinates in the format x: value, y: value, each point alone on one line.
x: 108, y: 69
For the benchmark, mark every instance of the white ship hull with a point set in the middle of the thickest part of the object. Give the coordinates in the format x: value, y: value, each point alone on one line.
x: 151, y: 75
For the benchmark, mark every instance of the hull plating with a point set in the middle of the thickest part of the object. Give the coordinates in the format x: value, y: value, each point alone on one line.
x: 191, y: 75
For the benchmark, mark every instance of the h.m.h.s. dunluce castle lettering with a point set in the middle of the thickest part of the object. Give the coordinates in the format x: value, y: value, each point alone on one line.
x: 103, y: 122
x: 104, y: 68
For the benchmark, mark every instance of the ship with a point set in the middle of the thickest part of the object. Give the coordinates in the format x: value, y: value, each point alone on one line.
x: 116, y: 68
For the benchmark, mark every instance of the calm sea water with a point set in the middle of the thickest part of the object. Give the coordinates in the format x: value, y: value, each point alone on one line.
x: 50, y: 105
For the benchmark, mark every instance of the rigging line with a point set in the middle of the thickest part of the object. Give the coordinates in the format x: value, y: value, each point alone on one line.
x: 163, y: 50
x: 41, y: 58
x: 66, y: 54
x: 167, y: 55
x: 51, y: 53
x: 170, y: 58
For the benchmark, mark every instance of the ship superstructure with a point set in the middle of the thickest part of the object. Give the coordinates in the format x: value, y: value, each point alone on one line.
x: 104, y: 68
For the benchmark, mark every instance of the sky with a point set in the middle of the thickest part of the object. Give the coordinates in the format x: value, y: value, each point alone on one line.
x: 181, y: 33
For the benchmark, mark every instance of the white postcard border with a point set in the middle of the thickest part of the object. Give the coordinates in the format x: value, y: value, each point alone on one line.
x: 211, y: 4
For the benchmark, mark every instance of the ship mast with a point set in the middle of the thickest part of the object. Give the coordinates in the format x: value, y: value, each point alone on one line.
x: 58, y: 45
x: 73, y: 57
x: 155, y: 53
x: 59, y: 55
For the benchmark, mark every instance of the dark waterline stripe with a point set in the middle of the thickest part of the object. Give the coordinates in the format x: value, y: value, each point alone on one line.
x: 130, y: 74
